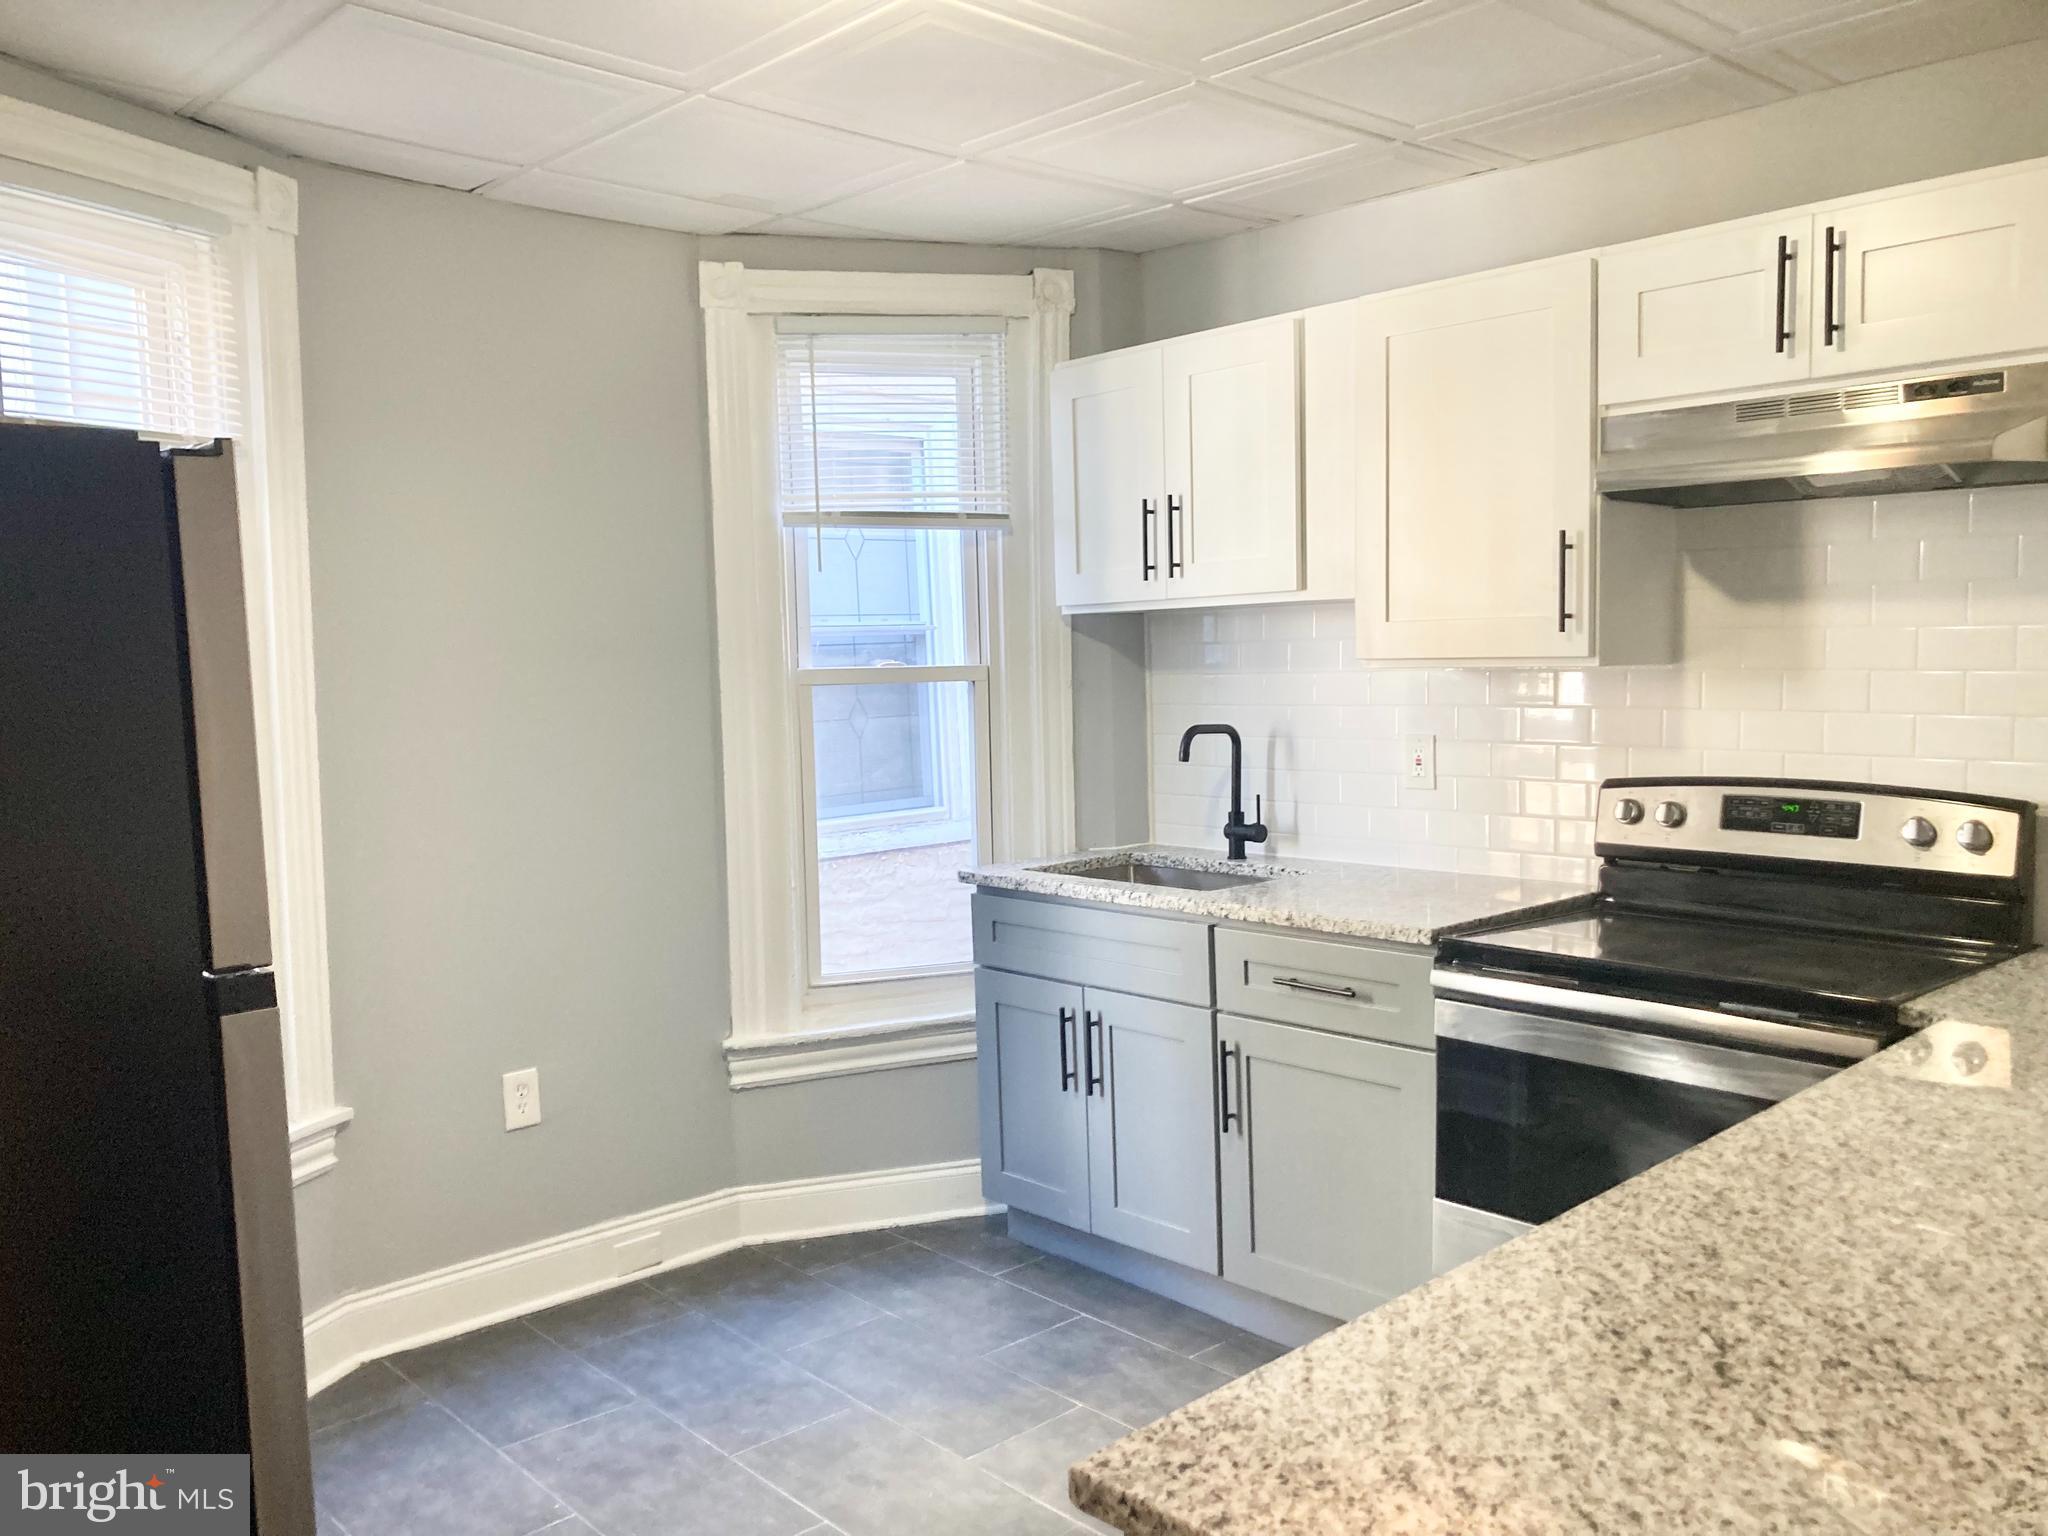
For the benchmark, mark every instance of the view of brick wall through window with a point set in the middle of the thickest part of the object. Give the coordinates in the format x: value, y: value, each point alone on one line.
x: 1901, y: 640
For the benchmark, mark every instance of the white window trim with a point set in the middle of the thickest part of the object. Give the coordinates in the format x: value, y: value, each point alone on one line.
x: 262, y: 209
x: 782, y: 1030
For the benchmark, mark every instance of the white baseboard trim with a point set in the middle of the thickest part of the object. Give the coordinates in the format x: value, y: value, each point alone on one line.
x: 368, y: 1325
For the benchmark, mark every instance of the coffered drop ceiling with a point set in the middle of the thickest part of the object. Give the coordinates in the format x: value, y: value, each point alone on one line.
x: 1131, y: 124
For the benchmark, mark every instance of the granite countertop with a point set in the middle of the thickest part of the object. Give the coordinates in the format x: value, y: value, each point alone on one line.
x: 1360, y: 901
x: 1831, y: 1318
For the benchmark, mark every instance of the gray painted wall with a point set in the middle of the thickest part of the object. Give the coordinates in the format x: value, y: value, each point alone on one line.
x: 1941, y: 118
x: 519, y: 725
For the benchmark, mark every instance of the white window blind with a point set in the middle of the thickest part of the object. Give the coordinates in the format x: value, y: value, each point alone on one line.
x: 108, y: 318
x: 895, y: 429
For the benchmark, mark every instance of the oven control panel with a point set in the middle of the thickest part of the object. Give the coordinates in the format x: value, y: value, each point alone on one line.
x: 1879, y: 828
x: 1791, y: 816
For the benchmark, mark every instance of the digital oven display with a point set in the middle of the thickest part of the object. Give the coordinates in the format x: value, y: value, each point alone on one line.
x: 1793, y: 818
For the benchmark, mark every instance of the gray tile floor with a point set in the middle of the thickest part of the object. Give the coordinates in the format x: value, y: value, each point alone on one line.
x: 926, y: 1381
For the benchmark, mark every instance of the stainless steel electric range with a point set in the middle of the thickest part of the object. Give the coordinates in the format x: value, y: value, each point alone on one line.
x: 1749, y: 938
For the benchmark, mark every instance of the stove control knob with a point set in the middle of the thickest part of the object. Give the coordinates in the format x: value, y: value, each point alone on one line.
x: 1973, y: 837
x: 1628, y: 812
x: 1919, y: 831
x: 1670, y: 814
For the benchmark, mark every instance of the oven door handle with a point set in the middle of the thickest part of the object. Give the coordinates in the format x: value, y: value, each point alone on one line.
x: 1711, y: 1024
x: 1723, y: 1069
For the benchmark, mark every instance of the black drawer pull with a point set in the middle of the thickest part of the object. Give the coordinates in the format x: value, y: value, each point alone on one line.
x: 1069, y: 1075
x: 1228, y: 1054
x: 1320, y: 988
x: 1091, y: 1023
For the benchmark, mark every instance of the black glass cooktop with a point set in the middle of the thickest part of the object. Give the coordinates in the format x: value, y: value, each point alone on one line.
x: 1705, y: 962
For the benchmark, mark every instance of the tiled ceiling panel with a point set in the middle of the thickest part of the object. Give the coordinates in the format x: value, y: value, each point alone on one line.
x: 1130, y: 124
x: 983, y: 203
x: 1184, y: 140
x: 1338, y: 182
x: 625, y: 205
x: 724, y: 152
x: 688, y: 38
x: 1689, y: 93
x: 399, y: 79
x: 1195, y: 32
x: 1905, y: 35
x: 944, y: 76
x: 1152, y: 230
x: 366, y: 152
x: 1432, y: 65
x: 115, y: 40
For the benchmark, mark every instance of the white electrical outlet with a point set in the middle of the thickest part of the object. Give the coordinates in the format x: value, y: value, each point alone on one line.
x: 522, y: 1099
x: 1418, y: 762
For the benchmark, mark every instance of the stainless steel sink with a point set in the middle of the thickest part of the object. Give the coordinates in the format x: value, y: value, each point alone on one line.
x: 1138, y: 872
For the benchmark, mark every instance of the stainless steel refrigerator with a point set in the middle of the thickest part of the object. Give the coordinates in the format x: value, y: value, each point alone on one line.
x: 148, y: 1261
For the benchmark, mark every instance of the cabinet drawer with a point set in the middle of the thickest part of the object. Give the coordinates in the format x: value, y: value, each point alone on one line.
x: 1378, y: 992
x: 1151, y: 956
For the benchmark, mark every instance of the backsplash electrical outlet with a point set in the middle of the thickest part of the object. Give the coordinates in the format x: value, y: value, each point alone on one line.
x: 1902, y: 640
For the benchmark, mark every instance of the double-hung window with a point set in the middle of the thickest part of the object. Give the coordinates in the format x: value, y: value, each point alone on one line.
x: 894, y: 675
x: 891, y: 443
x: 115, y: 319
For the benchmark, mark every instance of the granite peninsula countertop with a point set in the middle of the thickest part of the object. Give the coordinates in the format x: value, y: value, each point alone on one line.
x: 1360, y: 901
x: 1832, y: 1318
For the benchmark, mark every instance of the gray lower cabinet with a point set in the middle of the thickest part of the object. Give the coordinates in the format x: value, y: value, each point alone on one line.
x: 1152, y: 1127
x: 1096, y: 1113
x: 1329, y: 1164
x: 1034, y: 1119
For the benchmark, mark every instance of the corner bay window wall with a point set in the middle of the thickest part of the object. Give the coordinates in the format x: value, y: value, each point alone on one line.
x: 895, y: 678
x: 891, y: 479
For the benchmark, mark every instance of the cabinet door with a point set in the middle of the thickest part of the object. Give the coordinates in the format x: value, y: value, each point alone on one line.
x: 1233, y: 461
x: 1107, y: 473
x: 1714, y: 311
x: 1475, y: 462
x: 1935, y: 277
x: 1034, y: 1120
x: 1329, y: 1165
x: 1151, y: 1126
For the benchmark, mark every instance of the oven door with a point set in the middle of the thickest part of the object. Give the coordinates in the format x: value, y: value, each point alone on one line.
x: 1543, y: 1102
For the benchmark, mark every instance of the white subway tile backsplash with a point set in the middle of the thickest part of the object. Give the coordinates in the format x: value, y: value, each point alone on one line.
x: 1902, y: 641
x: 1827, y: 689
x: 1969, y: 559
x: 1869, y: 734
x: 1980, y: 647
x: 2006, y: 693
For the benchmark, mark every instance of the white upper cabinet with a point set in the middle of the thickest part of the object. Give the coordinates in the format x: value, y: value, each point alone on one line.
x: 1475, y: 467
x: 1177, y: 469
x: 1896, y: 281
x: 1233, y: 461
x: 1724, y: 309
x: 1933, y: 277
x: 1109, y: 473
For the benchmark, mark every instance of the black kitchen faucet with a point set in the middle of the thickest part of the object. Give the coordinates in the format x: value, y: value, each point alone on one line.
x: 1236, y: 830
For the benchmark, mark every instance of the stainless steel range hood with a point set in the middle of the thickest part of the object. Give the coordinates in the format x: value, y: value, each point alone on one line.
x: 1925, y: 433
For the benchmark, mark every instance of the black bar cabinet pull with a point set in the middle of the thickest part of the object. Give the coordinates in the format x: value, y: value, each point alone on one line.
x: 1564, y: 548
x: 1068, y: 1076
x: 1829, y: 328
x: 1091, y: 1022
x: 1173, y: 566
x: 1784, y: 285
x: 1229, y: 1054
x: 1147, y: 513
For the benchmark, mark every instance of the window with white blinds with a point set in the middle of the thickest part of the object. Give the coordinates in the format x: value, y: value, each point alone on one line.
x: 891, y: 429
x: 108, y: 318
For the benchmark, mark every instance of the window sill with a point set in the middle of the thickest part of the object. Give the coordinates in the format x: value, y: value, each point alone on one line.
x: 314, y: 1143
x: 770, y: 1061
